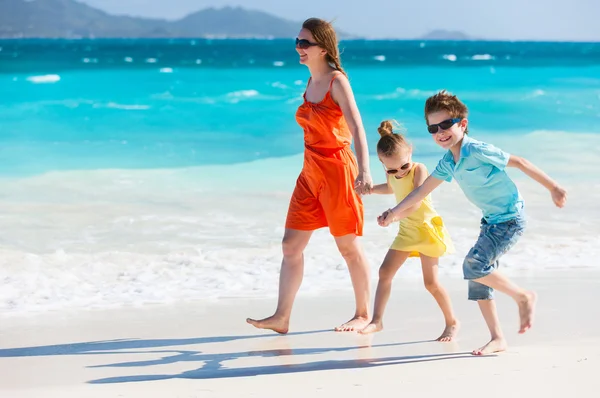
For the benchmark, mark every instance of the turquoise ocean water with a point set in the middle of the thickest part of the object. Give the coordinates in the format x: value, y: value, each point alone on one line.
x: 170, y: 103
x: 158, y: 170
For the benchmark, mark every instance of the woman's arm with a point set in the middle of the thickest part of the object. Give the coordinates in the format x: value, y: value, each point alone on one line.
x: 342, y: 94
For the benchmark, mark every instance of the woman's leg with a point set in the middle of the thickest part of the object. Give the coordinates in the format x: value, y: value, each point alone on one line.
x: 358, y: 266
x: 290, y: 278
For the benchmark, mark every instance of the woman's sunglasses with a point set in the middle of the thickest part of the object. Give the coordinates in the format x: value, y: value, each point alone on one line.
x: 404, y: 167
x: 444, y: 125
x: 304, y: 44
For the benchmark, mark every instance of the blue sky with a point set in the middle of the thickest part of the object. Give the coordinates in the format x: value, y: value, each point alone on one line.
x: 488, y: 19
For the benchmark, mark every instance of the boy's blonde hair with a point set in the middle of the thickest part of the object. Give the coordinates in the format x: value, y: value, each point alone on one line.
x: 445, y: 101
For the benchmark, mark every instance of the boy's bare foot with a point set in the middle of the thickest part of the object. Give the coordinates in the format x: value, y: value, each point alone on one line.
x: 276, y: 324
x: 495, y: 345
x: 449, y: 334
x: 356, y: 323
x: 526, y: 311
x: 372, y: 327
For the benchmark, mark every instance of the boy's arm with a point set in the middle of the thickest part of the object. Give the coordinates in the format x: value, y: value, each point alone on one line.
x: 559, y: 195
x: 403, y: 208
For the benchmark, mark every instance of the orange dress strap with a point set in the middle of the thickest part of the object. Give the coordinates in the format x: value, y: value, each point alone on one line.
x: 328, y: 93
x: 332, y: 79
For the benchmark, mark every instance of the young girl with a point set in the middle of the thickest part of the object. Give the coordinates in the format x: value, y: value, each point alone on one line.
x: 422, y: 232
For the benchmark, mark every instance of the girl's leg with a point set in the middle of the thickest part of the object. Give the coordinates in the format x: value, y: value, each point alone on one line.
x: 391, y: 264
x: 290, y: 278
x: 497, y: 343
x: 351, y: 250
x: 432, y: 284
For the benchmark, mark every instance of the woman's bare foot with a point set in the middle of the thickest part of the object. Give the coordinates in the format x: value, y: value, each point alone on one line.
x: 526, y: 311
x: 495, y: 345
x: 373, y: 327
x: 449, y: 334
x: 276, y: 324
x: 356, y: 323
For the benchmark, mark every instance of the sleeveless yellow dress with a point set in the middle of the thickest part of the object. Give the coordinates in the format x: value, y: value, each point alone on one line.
x: 423, y: 231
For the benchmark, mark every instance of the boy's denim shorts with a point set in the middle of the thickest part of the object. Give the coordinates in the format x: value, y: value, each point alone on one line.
x: 494, y: 240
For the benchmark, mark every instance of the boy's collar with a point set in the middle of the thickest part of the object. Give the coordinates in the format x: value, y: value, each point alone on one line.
x: 466, y: 139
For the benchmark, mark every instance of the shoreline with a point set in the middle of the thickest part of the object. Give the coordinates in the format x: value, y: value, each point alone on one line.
x: 174, y: 350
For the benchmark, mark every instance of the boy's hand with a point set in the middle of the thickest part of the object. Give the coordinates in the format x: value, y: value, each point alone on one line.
x: 559, y: 196
x: 386, y: 218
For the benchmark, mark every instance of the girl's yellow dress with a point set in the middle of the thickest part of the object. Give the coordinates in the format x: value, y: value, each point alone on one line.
x: 423, y: 231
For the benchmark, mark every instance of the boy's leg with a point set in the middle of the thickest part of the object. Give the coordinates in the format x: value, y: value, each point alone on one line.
x: 480, y: 266
x: 497, y: 342
x: 430, y: 279
x: 484, y: 295
x: 525, y: 299
x: 391, y: 264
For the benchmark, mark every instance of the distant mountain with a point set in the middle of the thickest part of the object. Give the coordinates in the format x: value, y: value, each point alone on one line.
x: 67, y: 18
x: 71, y: 19
x: 235, y: 22
x: 445, y: 35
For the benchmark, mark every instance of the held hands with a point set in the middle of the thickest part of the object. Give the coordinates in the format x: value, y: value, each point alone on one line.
x: 363, y: 185
x: 386, y: 218
x: 559, y: 196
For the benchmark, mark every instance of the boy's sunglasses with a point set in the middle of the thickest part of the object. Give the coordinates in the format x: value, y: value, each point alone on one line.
x: 304, y: 44
x: 444, y: 125
x: 404, y: 167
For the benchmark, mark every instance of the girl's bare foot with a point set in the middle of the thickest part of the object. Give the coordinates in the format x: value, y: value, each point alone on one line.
x: 495, y: 345
x: 372, y: 327
x: 276, y: 324
x: 356, y: 323
x: 449, y: 334
x: 526, y: 311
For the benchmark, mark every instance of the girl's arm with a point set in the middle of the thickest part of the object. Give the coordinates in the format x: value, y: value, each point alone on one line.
x: 382, y: 189
x: 559, y: 195
x: 403, y: 208
x: 342, y: 94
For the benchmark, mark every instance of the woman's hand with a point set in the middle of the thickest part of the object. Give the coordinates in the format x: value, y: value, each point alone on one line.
x: 363, y: 185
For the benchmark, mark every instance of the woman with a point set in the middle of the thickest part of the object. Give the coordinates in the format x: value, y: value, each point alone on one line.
x: 328, y: 188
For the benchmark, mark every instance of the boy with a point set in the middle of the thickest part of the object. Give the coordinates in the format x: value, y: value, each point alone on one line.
x: 479, y: 171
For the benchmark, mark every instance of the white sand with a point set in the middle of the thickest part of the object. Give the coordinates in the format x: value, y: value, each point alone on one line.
x: 207, y: 350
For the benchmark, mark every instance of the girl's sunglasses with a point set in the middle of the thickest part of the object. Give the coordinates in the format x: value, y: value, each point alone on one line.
x: 404, y: 167
x: 444, y: 125
x: 304, y: 44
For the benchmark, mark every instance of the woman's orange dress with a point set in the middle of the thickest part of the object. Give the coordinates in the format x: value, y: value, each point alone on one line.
x: 324, y: 194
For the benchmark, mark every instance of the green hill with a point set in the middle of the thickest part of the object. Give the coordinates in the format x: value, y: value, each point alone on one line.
x: 71, y: 19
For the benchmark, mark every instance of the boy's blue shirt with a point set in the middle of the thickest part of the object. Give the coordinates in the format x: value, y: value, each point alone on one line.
x: 480, y: 173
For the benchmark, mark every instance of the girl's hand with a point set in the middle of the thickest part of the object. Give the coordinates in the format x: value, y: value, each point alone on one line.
x: 363, y: 185
x: 386, y: 218
x: 559, y: 196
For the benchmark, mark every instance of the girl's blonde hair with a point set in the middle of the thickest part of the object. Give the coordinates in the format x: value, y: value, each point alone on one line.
x: 390, y: 143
